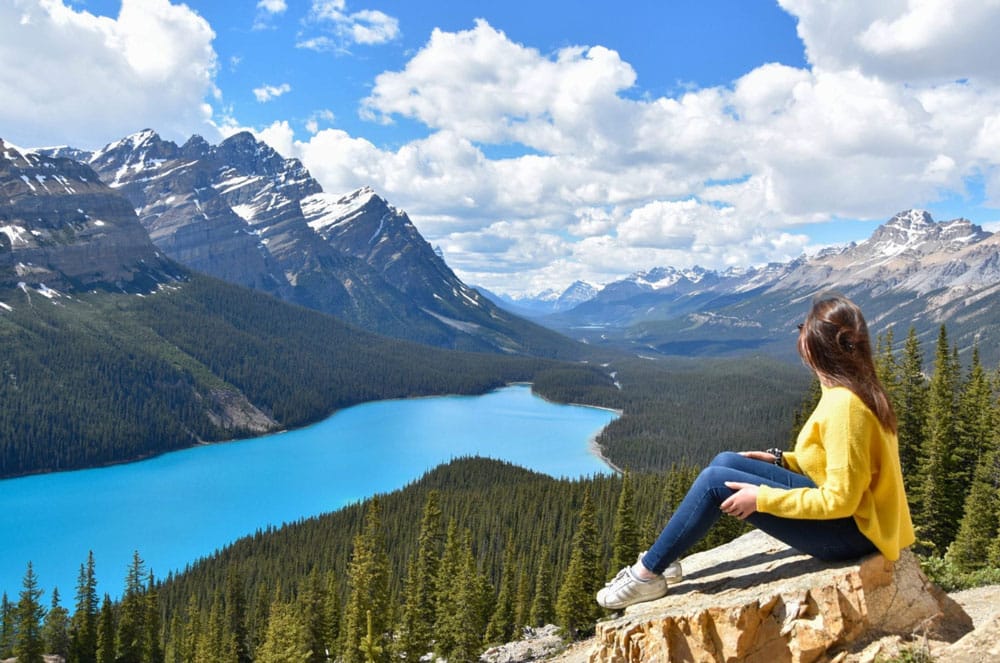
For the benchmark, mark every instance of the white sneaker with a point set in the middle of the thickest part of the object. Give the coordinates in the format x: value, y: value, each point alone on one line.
x: 625, y: 590
x: 672, y: 573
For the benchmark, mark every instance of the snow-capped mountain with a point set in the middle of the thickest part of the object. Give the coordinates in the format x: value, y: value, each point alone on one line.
x: 62, y: 230
x: 546, y: 302
x: 912, y: 271
x: 241, y: 212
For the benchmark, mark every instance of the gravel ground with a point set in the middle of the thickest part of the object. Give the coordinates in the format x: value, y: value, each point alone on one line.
x: 980, y: 603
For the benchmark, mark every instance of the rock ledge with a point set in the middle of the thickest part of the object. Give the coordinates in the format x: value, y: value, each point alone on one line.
x: 757, y: 600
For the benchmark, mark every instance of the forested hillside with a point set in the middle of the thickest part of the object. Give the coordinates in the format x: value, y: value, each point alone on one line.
x: 100, y: 378
x: 476, y: 549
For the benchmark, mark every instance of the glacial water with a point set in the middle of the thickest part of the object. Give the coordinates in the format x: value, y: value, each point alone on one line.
x: 181, y: 506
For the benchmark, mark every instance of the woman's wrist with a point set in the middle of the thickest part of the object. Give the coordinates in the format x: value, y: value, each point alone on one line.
x: 778, y: 456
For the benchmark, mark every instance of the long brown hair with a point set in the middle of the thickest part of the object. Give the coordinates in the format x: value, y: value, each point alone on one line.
x: 834, y: 342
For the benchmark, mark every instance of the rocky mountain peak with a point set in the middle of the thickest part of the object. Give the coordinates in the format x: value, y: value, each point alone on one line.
x: 62, y: 228
x: 244, y: 152
x: 914, y: 232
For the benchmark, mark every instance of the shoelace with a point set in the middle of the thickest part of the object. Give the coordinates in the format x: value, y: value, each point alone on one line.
x: 621, y: 574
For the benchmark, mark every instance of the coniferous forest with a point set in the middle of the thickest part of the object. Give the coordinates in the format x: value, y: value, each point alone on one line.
x: 478, y: 549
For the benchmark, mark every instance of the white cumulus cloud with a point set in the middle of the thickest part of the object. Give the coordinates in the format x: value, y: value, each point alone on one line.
x: 266, y: 93
x: 339, y: 28
x: 82, y: 79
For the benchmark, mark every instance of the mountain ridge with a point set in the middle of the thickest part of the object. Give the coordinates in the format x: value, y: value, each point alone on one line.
x: 912, y: 271
x: 241, y: 212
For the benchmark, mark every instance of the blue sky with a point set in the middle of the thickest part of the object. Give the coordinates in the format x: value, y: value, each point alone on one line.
x: 539, y: 143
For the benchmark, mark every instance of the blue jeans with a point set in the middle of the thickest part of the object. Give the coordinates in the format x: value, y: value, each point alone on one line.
x: 828, y: 540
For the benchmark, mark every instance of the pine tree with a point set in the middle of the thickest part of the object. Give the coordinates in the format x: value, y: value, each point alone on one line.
x: 285, y: 639
x: 370, y: 643
x: 188, y: 646
x: 501, y: 624
x: 448, y: 580
x: 106, y: 632
x: 29, y: 646
x: 83, y: 625
x: 886, y: 366
x: 472, y: 606
x: 332, y: 612
x: 152, y: 648
x: 542, y: 607
x: 312, y: 610
x: 522, y: 601
x: 132, y: 619
x: 940, y: 498
x: 416, y: 628
x: 576, y: 609
x: 236, y: 617
x: 55, y: 632
x: 212, y: 645
x: 976, y: 423
x: 911, y: 412
x: 625, y: 538
x: 368, y: 586
x: 8, y: 624
x: 980, y: 527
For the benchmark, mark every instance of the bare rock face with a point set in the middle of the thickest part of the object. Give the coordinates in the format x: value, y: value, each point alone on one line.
x: 757, y: 600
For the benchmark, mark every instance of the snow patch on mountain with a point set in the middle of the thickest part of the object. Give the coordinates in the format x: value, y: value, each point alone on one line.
x: 325, y: 211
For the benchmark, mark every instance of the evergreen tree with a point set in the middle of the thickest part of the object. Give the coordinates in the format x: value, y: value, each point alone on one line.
x: 188, y: 646
x: 236, y: 617
x: 152, y: 647
x: 446, y: 586
x: 132, y: 619
x: 29, y: 646
x: 522, y: 601
x: 911, y: 413
x: 471, y: 608
x: 886, y: 366
x: 542, y: 607
x: 979, y: 528
x: 368, y: 586
x: 8, y: 627
x: 212, y: 645
x: 370, y: 643
x: 625, y: 538
x: 332, y: 611
x: 576, y: 608
x: 106, y: 632
x: 976, y: 424
x: 286, y: 637
x: 83, y: 625
x: 55, y: 632
x: 940, y: 498
x: 312, y: 610
x: 501, y: 624
x: 416, y: 628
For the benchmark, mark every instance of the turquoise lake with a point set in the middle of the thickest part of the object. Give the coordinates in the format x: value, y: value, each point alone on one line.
x: 179, y: 507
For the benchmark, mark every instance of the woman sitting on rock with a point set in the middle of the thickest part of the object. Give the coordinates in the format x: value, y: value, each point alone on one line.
x: 837, y: 496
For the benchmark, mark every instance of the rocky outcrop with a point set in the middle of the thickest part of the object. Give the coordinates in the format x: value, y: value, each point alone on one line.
x: 756, y: 600
x: 62, y: 229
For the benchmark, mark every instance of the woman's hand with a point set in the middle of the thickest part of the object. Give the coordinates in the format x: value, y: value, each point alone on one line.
x: 743, y: 502
x: 759, y: 455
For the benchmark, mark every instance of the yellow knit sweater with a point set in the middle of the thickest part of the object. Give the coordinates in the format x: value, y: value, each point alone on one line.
x: 854, y: 463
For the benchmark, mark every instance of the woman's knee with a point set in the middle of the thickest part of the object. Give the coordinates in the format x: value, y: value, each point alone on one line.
x: 727, y: 459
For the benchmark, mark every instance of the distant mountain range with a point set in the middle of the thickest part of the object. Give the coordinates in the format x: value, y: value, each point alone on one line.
x: 241, y: 212
x: 912, y: 271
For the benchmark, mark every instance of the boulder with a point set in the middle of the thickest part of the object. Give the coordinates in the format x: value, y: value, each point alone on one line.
x: 757, y: 600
